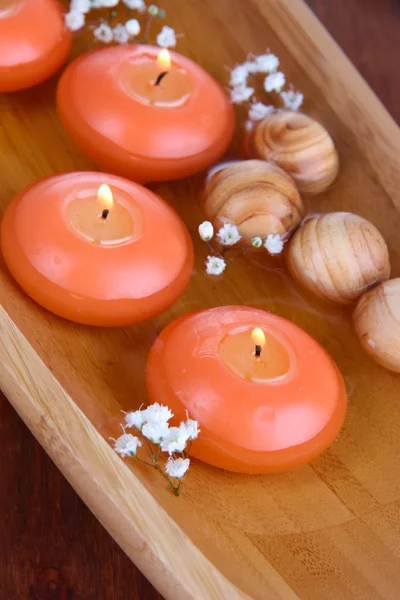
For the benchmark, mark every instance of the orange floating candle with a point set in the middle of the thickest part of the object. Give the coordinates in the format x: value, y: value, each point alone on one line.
x: 96, y: 248
x: 34, y: 42
x: 145, y: 114
x: 267, y: 396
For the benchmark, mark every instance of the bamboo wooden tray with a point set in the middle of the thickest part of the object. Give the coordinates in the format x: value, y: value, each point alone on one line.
x: 326, y: 531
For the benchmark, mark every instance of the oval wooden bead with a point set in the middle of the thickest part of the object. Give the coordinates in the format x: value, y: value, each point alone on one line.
x: 377, y: 323
x: 297, y: 144
x: 257, y: 196
x: 337, y: 256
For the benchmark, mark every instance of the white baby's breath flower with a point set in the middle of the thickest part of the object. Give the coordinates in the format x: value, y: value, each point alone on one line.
x: 256, y: 242
x: 153, y: 10
x: 175, y: 440
x: 228, y: 235
x: 267, y: 63
x: 135, y: 418
x: 292, y: 100
x: 238, y: 76
x: 166, y: 38
x: 274, y: 244
x: 206, y: 231
x: 274, y: 82
x: 241, y: 93
x: 251, y: 67
x: 133, y: 27
x: 190, y: 427
x: 157, y: 413
x: 103, y: 33
x: 155, y: 432
x: 215, y: 265
x: 177, y: 467
x: 109, y: 3
x: 82, y: 6
x: 120, y: 34
x: 127, y: 445
x: 138, y: 5
x: 258, y: 111
x: 97, y: 3
x: 74, y: 20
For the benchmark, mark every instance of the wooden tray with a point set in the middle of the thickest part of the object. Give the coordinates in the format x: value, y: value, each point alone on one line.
x: 326, y: 531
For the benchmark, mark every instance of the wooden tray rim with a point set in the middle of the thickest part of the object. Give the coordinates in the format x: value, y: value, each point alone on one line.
x: 124, y: 506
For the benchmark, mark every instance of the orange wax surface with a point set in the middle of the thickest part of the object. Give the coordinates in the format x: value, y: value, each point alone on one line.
x: 111, y: 107
x: 114, y: 271
x: 256, y: 415
x: 34, y: 42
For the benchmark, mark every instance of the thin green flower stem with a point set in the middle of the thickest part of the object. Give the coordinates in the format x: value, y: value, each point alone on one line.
x: 175, y: 489
x: 147, y: 30
x: 157, y: 456
x: 144, y: 462
x: 150, y: 450
x: 190, y: 448
x: 111, y: 15
x: 223, y: 252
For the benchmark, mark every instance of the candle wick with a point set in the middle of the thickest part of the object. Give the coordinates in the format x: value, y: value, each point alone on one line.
x: 160, y: 77
x: 104, y: 214
x: 258, y: 351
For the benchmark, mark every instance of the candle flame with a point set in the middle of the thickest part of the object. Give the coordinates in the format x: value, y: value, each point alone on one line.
x: 105, y: 197
x: 258, y: 337
x: 164, y: 60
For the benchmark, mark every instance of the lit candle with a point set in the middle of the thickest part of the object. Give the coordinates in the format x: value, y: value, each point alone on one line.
x: 99, y: 254
x: 101, y: 222
x: 258, y: 337
x: 34, y: 42
x: 257, y: 414
x: 145, y: 114
x: 164, y: 63
x: 243, y: 353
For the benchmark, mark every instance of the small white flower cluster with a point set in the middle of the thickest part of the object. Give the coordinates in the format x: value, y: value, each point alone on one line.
x: 292, y: 100
x: 273, y: 243
x: 138, y: 5
x: 229, y: 235
x: 78, y: 9
x: 215, y: 265
x: 127, y: 445
x: 166, y: 38
x: 152, y: 422
x: 120, y: 33
x: 259, y: 111
x: 273, y: 81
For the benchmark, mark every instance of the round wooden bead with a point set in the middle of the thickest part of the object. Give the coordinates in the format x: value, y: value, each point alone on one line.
x: 337, y: 256
x: 257, y: 196
x: 297, y: 144
x: 377, y: 323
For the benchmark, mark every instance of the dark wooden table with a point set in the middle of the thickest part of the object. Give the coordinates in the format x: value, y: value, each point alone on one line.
x: 51, y: 546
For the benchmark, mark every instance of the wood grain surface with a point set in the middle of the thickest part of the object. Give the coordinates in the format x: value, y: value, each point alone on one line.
x: 326, y: 531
